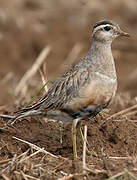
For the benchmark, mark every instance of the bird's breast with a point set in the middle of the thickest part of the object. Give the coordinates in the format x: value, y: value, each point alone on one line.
x: 99, y: 92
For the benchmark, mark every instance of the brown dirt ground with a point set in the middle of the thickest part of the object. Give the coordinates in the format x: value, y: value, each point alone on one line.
x: 25, y: 29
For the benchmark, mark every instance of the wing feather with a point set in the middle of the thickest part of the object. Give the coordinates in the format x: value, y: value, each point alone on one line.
x: 62, y: 91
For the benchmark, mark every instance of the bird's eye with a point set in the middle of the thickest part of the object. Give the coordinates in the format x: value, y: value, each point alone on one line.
x: 107, y: 28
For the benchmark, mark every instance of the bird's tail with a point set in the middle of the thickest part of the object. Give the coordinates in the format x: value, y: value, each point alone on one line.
x: 12, y: 119
x: 35, y: 106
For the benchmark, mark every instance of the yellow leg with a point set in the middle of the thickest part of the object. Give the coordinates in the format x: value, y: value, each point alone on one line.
x: 83, y: 139
x: 74, y: 125
x: 74, y: 142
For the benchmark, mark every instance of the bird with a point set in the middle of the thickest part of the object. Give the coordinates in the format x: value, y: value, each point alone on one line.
x: 86, y: 88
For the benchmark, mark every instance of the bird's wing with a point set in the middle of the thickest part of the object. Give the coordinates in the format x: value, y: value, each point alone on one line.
x: 63, y: 91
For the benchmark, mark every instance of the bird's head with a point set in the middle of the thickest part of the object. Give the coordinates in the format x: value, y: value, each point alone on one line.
x: 105, y: 31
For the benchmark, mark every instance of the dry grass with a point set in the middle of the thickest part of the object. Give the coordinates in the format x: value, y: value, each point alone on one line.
x: 23, y: 84
x: 20, y: 157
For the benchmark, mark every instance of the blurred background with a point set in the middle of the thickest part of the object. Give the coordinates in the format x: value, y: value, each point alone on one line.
x: 28, y: 26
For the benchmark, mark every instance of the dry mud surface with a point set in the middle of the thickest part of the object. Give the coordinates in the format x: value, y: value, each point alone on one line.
x: 26, y: 27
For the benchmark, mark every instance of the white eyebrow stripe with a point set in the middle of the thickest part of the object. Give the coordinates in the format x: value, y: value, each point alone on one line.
x: 101, y: 26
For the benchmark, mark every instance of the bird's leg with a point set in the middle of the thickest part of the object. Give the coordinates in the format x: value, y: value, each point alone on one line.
x: 83, y: 139
x: 82, y: 136
x: 74, y: 125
